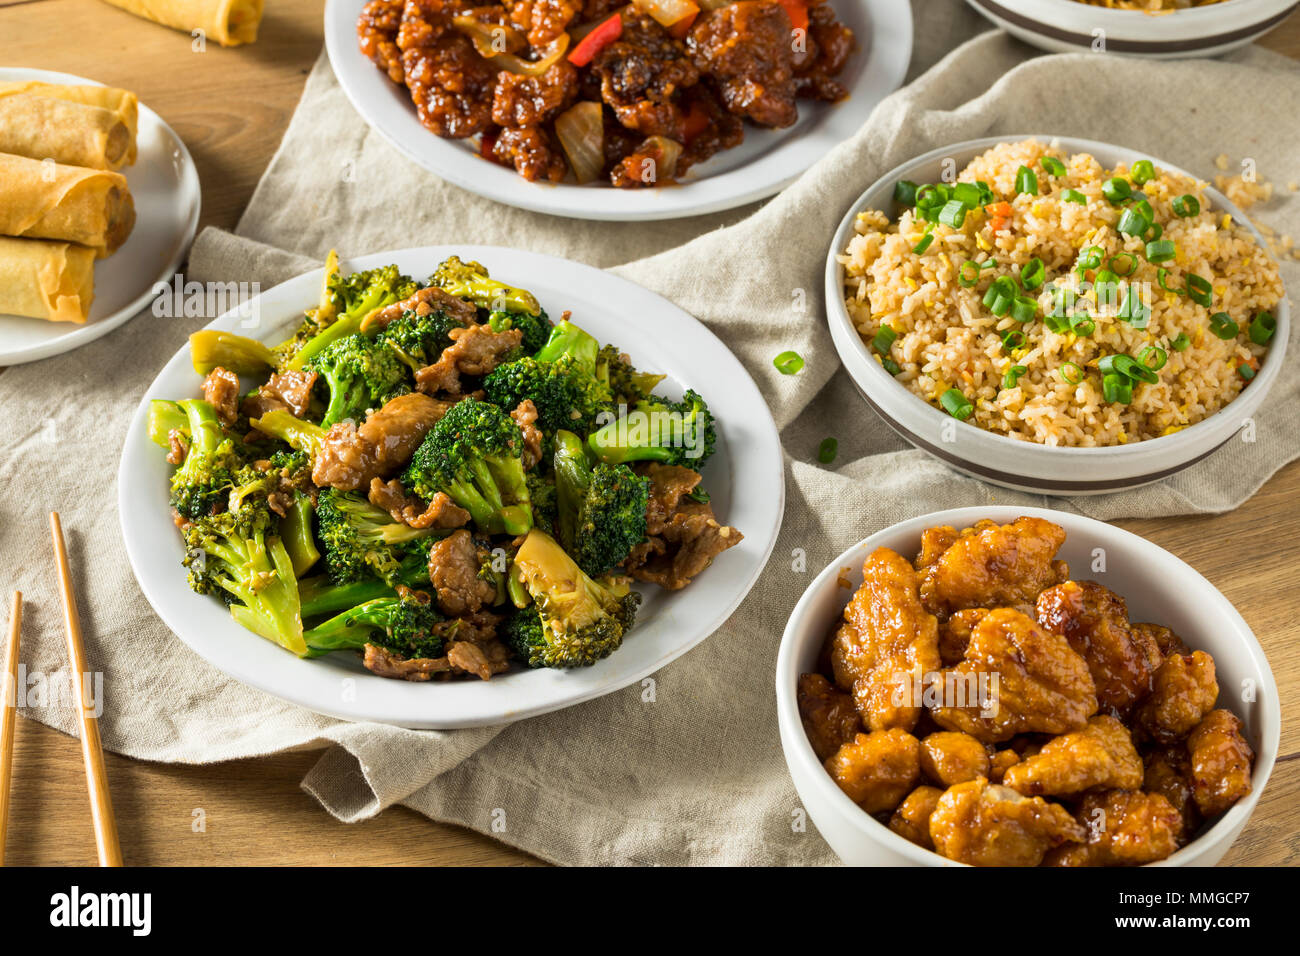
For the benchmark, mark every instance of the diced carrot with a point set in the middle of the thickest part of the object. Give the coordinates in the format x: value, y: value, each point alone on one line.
x: 696, y: 122
x: 798, y: 12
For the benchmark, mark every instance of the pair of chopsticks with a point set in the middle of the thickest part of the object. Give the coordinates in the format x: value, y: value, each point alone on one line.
x: 92, y: 750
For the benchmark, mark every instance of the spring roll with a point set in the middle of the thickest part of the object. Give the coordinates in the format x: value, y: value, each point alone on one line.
x: 121, y: 102
x: 229, y: 22
x: 44, y: 200
x: 46, y: 280
x: 40, y: 127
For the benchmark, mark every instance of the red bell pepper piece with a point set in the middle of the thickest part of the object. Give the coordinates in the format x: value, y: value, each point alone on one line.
x: 602, y: 36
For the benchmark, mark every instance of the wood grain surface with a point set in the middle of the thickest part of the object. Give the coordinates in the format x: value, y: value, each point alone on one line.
x: 231, y: 108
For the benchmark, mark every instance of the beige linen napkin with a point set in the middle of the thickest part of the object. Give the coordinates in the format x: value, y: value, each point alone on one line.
x: 696, y: 774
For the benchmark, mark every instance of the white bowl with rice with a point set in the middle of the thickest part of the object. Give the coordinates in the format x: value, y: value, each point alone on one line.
x: 1053, y: 430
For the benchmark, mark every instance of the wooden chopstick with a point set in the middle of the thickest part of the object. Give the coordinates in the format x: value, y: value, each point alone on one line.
x: 92, y: 751
x: 9, y: 716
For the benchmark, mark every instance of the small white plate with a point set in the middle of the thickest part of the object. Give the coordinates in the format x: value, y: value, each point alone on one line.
x: 767, y: 161
x: 745, y: 478
x: 165, y: 188
x: 1067, y: 26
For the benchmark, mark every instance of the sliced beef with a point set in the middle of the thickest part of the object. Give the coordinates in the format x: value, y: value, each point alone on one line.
x: 476, y: 350
x: 683, y: 536
x: 350, y: 457
x: 422, y: 302
x: 454, y: 564
x: 221, y: 391
x: 441, y: 512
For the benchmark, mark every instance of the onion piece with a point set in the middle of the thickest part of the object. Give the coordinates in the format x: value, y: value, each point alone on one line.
x: 486, y: 39
x: 667, y: 12
x: 490, y: 39
x: 671, y: 150
x: 712, y: 4
x: 581, y: 132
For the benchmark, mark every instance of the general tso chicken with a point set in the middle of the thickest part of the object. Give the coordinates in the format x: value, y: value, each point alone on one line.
x: 438, y: 477
x: 986, y: 706
x: 634, y: 93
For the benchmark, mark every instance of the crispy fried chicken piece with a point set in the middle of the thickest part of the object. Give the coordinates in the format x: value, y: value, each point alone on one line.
x: 542, y: 20
x: 1100, y: 756
x: 746, y: 48
x: 1000, y: 763
x: 454, y: 565
x: 441, y: 512
x: 525, y: 416
x: 1169, y: 773
x: 476, y: 350
x: 385, y: 663
x: 530, y: 151
x: 985, y: 824
x: 911, y: 820
x: 640, y: 76
x: 1094, y: 619
x: 954, y: 634
x: 682, y: 536
x: 1183, y: 691
x: 992, y: 565
x: 876, y: 770
x: 534, y: 100
x: 887, y: 645
x: 221, y: 391
x: 1222, y: 762
x: 1042, y: 685
x: 829, y: 718
x: 422, y: 302
x: 949, y: 757
x: 934, y: 542
x: 645, y: 166
x: 377, y: 35
x: 1125, y: 828
x: 481, y: 660
x: 1166, y: 641
x: 829, y: 44
x: 350, y: 457
x: 451, y: 85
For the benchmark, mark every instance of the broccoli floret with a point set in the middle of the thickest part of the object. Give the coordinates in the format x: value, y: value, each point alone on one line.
x: 566, y: 339
x: 564, y: 392
x: 322, y: 595
x: 210, y: 348
x: 292, y: 465
x: 470, y: 281
x: 237, y: 555
x: 675, y: 433
x: 581, y: 620
x: 536, y: 329
x: 404, y: 625
x: 362, y: 540
x: 601, y: 509
x: 542, y: 494
x: 625, y: 383
x: 418, y: 340
x: 203, y: 482
x: 352, y: 298
x: 300, y: 435
x: 360, y: 373
x: 165, y: 417
x: 474, y: 455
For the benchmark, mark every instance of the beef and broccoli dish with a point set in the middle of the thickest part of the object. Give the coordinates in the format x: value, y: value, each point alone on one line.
x: 436, y: 475
x: 634, y: 93
x: 987, y: 707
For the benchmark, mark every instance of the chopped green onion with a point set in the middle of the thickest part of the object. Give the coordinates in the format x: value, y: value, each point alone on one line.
x: 1000, y: 295
x: 1089, y: 258
x: 1246, y: 371
x: 956, y: 404
x: 1074, y: 196
x: 968, y: 274
x: 1081, y: 324
x: 1106, y: 285
x: 1221, y: 324
x: 1072, y: 373
x: 1117, y: 388
x: 1060, y: 324
x: 1153, y: 357
x: 884, y: 338
x: 905, y: 192
x: 1132, y: 223
x: 953, y: 213
x: 1012, y: 339
x: 789, y: 363
x: 1143, y: 171
x: 1013, y: 375
x: 1143, y: 209
x: 1133, y: 311
x: 1063, y: 301
x: 1129, y: 260
x: 1116, y: 190
x: 1262, y: 328
x: 1052, y: 165
x: 1026, y: 181
x: 1033, y: 273
x: 1200, y: 290
x: 1161, y: 276
x: 827, y: 450
x: 1155, y: 232
x: 1180, y: 343
x: 1161, y: 250
x: 968, y: 194
x: 924, y: 244
x: 1186, y: 206
x: 890, y: 366
x: 1024, y: 309
x: 986, y: 192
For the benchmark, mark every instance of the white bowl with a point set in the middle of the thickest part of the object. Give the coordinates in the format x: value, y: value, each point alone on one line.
x: 1025, y: 465
x: 1067, y: 26
x: 1157, y: 587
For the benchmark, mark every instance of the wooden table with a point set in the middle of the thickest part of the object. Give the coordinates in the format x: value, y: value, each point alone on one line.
x: 231, y: 107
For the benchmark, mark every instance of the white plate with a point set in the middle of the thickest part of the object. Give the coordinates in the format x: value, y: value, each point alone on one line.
x: 1067, y: 26
x: 165, y: 188
x: 1026, y: 465
x: 744, y: 476
x: 767, y: 162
